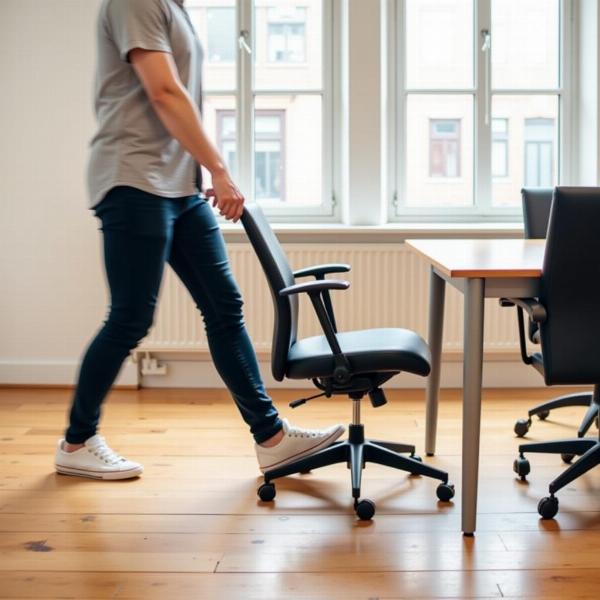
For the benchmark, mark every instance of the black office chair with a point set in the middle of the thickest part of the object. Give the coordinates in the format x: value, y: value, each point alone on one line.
x: 352, y: 363
x: 536, y: 213
x: 569, y: 320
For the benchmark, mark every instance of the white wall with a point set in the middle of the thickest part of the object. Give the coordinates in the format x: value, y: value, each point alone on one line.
x: 53, y: 293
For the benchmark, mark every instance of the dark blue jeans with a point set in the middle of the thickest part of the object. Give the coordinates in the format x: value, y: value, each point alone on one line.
x: 141, y: 233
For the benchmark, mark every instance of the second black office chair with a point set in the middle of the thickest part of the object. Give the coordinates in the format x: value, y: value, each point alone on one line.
x: 569, y: 320
x: 536, y: 213
x: 352, y: 363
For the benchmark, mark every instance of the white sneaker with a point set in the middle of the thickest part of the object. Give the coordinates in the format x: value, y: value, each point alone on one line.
x: 95, y: 460
x: 296, y: 443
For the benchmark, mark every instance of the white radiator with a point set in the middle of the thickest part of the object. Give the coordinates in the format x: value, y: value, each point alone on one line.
x: 390, y: 288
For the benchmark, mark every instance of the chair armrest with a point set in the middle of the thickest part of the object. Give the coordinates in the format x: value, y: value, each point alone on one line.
x: 318, y: 292
x: 533, y: 308
x: 315, y: 287
x: 536, y: 313
x: 319, y: 271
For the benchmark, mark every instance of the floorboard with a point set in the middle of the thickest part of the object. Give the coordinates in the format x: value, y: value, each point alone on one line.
x: 192, y: 526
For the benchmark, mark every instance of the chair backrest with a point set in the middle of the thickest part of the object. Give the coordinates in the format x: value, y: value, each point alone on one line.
x: 570, y: 288
x: 279, y: 275
x: 536, y: 211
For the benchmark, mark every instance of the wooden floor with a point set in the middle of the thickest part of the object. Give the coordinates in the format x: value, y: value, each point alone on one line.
x: 192, y: 527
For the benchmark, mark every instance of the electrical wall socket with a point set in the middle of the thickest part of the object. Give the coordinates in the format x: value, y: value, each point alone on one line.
x: 151, y: 366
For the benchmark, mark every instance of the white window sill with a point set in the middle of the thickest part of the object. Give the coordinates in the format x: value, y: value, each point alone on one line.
x: 386, y: 234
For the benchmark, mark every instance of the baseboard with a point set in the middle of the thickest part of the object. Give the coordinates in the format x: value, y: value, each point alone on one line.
x: 59, y: 374
x: 201, y: 373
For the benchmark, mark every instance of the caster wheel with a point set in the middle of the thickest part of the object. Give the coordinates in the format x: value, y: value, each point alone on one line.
x: 266, y: 492
x: 365, y: 509
x: 445, y: 492
x: 567, y: 458
x: 305, y: 472
x: 522, y: 427
x: 521, y: 467
x: 543, y: 415
x: 548, y: 507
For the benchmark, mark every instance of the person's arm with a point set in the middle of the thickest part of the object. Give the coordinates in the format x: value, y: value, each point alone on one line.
x: 181, y: 117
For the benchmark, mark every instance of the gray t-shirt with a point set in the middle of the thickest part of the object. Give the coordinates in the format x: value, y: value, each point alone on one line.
x: 132, y: 147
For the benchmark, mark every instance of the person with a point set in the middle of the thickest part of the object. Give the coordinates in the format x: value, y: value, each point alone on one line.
x: 145, y: 186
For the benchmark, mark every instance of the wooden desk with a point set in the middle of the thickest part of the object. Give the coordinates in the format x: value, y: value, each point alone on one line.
x: 480, y: 269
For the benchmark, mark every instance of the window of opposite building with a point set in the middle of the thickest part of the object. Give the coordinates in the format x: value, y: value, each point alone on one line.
x: 286, y: 32
x: 270, y: 139
x: 444, y: 148
x: 499, y: 147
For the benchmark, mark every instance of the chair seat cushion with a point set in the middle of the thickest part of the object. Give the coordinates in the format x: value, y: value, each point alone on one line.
x: 368, y: 351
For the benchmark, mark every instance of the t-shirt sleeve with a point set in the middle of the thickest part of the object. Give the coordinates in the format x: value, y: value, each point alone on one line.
x: 137, y: 24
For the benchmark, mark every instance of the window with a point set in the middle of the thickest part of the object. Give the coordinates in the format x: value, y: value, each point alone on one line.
x: 269, y: 153
x: 286, y: 33
x: 479, y: 105
x: 220, y: 22
x: 255, y: 104
x: 539, y: 152
x: 499, y: 147
x: 444, y: 148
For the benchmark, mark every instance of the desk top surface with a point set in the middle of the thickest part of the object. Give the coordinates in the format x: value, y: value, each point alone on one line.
x: 482, y: 258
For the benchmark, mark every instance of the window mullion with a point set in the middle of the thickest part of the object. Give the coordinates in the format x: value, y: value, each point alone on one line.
x: 245, y: 100
x: 329, y: 37
x: 400, y: 154
x: 482, y: 131
x: 566, y: 84
x: 392, y: 112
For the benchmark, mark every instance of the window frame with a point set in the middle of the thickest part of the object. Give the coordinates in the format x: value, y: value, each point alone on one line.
x: 243, y: 93
x: 482, y: 209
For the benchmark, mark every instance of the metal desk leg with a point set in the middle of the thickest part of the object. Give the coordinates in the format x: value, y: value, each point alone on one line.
x: 437, y: 293
x: 472, y: 372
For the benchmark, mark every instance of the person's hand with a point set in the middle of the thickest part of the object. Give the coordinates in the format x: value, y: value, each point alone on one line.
x: 226, y: 196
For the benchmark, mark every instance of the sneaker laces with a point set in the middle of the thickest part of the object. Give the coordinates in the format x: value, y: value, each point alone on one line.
x: 302, y: 433
x: 104, y: 452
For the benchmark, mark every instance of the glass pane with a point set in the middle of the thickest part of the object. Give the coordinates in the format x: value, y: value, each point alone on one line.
x: 288, y: 150
x: 439, y: 150
x: 499, y: 159
x: 525, y: 44
x: 265, y: 125
x: 219, y: 118
x: 531, y: 146
x: 215, y: 23
x: 439, y: 44
x: 288, y: 40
